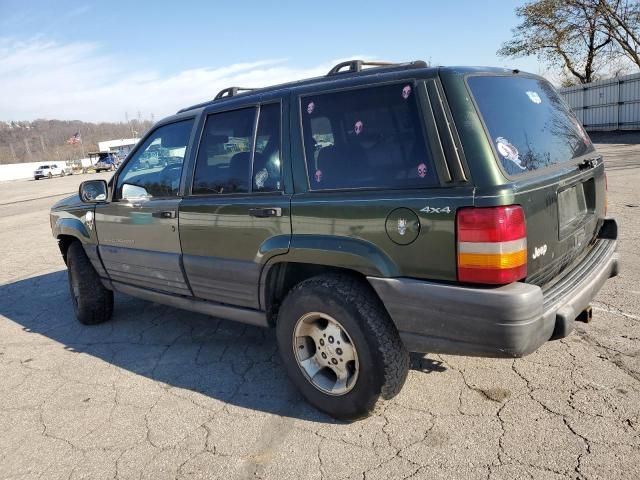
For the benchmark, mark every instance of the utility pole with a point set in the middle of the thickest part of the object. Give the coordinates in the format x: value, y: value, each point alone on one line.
x: 27, y: 149
x: 13, y: 153
x: 44, y: 150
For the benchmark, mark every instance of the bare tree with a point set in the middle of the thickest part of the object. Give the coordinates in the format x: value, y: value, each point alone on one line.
x: 621, y: 20
x: 571, y: 34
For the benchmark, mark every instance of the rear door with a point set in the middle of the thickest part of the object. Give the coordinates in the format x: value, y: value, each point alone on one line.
x: 556, y: 174
x: 237, y: 214
x: 137, y: 231
x: 376, y: 182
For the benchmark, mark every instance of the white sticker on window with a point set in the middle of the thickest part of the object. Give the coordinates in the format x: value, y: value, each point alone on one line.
x: 534, y: 97
x: 311, y: 107
x: 406, y: 91
x: 261, y: 178
x: 508, y: 151
x: 358, y: 127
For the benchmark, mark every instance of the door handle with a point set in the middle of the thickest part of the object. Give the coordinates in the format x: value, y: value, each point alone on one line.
x: 265, y: 212
x: 164, y: 214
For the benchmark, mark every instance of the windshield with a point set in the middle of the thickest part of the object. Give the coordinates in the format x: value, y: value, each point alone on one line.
x: 529, y: 124
x: 43, y: 167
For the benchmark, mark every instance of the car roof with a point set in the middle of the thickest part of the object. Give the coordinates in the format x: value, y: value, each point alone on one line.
x: 355, y: 70
x: 230, y: 96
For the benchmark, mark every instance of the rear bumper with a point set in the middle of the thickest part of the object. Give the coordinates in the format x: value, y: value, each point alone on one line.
x: 507, y: 321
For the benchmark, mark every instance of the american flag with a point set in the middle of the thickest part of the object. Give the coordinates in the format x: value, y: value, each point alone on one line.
x: 73, y: 139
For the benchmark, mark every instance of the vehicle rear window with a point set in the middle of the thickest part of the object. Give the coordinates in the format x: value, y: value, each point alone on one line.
x: 529, y: 124
x: 366, y: 138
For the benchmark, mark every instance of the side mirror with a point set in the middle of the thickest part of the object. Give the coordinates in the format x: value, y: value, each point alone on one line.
x: 93, y: 191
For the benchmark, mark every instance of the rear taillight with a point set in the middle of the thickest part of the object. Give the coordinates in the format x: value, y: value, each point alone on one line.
x: 492, y: 244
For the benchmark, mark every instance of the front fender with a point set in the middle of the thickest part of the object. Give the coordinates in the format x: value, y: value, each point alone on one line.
x: 73, y: 227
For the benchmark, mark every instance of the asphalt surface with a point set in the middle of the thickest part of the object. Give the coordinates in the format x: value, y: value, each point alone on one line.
x: 160, y: 393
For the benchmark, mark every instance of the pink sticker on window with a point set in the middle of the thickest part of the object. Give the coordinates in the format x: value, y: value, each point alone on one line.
x: 358, y: 127
x: 311, y: 107
x: 406, y: 91
x: 318, y: 176
x: 422, y: 170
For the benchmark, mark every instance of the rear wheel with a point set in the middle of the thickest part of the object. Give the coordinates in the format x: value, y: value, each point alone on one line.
x: 92, y: 302
x: 62, y: 173
x: 339, y: 345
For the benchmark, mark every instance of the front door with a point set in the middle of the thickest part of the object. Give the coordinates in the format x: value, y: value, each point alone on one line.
x: 237, y: 214
x: 138, y: 230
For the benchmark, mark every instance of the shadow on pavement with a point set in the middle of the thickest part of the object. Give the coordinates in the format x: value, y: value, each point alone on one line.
x: 231, y: 362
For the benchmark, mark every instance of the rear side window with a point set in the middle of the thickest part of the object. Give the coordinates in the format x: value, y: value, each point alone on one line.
x: 529, y: 124
x: 267, y: 164
x: 366, y: 138
x: 224, y: 156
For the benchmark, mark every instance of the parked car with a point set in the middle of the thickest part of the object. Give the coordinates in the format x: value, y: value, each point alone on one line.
x: 451, y: 210
x: 52, y: 170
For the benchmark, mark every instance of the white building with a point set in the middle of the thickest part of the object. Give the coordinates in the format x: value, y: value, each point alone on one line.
x: 121, y: 147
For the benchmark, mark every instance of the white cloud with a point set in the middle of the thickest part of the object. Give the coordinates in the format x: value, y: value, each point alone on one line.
x: 45, y: 79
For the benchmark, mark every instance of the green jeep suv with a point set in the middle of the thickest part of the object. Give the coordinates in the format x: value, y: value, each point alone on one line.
x: 378, y: 210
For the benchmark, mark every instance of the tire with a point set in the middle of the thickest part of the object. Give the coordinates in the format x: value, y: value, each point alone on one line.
x: 92, y: 302
x: 62, y: 173
x: 377, y: 369
x: 49, y: 175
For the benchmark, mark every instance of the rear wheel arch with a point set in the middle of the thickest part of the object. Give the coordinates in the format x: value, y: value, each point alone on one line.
x: 280, y: 278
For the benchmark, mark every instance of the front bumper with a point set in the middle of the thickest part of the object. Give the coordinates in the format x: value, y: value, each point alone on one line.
x: 508, y: 321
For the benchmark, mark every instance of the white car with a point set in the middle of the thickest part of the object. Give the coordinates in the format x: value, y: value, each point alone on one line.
x: 49, y: 171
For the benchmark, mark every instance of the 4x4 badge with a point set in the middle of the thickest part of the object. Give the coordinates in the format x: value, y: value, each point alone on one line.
x: 428, y: 209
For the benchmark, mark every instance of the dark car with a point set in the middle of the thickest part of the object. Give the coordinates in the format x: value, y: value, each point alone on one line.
x: 104, y: 161
x: 364, y: 214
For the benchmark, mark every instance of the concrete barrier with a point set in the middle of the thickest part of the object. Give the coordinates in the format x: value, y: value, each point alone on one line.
x: 19, y: 171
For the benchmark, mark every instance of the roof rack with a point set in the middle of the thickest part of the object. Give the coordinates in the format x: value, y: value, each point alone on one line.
x: 231, y: 91
x: 354, y: 66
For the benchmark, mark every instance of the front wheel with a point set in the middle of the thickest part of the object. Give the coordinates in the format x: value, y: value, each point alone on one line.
x: 62, y: 173
x: 339, y: 345
x: 92, y: 302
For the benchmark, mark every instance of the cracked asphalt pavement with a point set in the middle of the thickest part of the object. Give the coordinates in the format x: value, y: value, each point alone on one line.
x: 161, y: 393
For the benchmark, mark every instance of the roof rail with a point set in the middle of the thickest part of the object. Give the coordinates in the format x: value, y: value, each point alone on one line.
x: 353, y: 66
x: 231, y: 91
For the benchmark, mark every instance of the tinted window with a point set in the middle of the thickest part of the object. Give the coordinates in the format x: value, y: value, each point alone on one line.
x: 155, y: 168
x: 366, y: 138
x: 267, y: 163
x: 224, y: 156
x: 529, y: 124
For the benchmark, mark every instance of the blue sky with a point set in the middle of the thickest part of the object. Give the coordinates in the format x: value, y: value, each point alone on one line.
x: 94, y: 61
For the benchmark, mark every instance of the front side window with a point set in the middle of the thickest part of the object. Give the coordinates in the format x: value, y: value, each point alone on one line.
x: 366, y: 138
x: 155, y: 168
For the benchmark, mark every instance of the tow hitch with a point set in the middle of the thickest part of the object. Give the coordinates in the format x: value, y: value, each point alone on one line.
x: 585, y: 316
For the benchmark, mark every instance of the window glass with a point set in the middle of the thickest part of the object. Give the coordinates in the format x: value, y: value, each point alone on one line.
x: 224, y: 156
x: 366, y: 138
x: 155, y: 168
x: 267, y: 163
x: 529, y: 124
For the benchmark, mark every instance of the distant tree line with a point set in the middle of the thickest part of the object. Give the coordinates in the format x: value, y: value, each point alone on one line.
x: 585, y: 39
x: 46, y: 140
